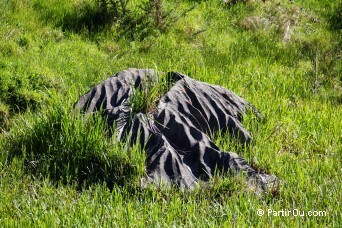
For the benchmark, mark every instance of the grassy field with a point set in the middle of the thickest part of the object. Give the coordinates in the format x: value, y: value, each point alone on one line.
x: 282, y: 56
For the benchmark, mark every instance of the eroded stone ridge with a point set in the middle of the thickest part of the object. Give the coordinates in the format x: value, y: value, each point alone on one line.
x: 176, y: 133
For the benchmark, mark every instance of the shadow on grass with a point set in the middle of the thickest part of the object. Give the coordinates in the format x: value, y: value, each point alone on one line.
x: 93, y: 18
x: 335, y: 19
x: 74, y: 17
x: 89, y: 17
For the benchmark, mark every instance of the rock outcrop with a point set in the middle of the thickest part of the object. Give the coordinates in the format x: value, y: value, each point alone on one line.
x: 176, y: 134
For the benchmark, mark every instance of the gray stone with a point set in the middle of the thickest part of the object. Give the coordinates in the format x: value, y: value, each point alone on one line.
x: 176, y: 134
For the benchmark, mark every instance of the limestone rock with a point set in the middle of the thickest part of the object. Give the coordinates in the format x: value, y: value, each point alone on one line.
x: 176, y: 133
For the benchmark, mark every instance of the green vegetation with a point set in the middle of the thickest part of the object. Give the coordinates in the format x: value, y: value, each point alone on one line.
x: 59, y: 168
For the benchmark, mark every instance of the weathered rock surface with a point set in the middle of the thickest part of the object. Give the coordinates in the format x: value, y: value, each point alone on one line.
x: 176, y: 134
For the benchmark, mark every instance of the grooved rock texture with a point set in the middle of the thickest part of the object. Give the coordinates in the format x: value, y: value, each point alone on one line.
x: 176, y: 133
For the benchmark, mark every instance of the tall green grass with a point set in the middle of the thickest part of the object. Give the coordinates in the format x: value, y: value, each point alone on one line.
x: 68, y: 147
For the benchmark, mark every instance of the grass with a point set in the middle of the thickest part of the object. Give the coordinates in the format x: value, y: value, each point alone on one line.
x: 59, y: 169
